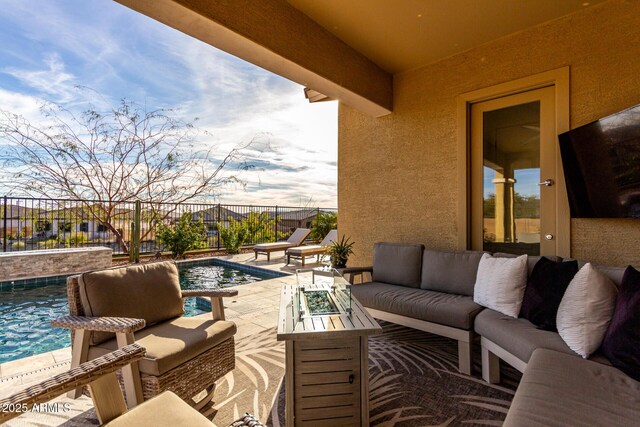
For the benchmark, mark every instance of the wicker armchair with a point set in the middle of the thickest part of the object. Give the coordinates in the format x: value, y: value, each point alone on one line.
x: 100, y: 376
x: 143, y: 304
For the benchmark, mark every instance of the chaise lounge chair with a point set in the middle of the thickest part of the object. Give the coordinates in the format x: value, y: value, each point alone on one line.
x: 294, y: 240
x: 301, y: 252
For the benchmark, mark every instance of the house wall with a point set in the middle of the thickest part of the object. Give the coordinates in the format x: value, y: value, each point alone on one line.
x: 397, y: 175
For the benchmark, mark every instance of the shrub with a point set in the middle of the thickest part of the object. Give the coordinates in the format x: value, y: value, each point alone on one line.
x: 324, y: 223
x: 19, y: 245
x: 76, y: 239
x: 49, y: 243
x: 184, y: 236
x: 233, y: 236
x: 261, y: 228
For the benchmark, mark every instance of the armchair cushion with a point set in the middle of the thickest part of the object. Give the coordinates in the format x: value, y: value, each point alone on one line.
x: 165, y: 409
x: 397, y: 263
x: 149, y: 291
x: 174, y: 342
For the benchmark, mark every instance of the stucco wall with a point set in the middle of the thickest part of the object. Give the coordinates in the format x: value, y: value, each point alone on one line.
x: 397, y: 174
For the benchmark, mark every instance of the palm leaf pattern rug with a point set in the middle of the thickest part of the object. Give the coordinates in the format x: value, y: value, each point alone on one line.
x: 414, y: 381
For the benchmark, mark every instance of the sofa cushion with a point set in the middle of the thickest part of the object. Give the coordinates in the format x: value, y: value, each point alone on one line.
x: 397, y: 263
x: 451, y: 272
x: 169, y: 344
x: 457, y: 311
x: 532, y: 260
x: 148, y: 291
x: 517, y: 336
x: 586, y: 310
x: 545, y: 287
x: 500, y: 283
x: 621, y: 343
x: 557, y: 390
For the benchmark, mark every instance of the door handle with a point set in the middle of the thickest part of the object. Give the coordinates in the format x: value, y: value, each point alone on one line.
x: 547, y: 183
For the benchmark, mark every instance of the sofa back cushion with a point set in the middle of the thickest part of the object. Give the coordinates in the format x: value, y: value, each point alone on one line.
x: 149, y: 291
x: 450, y: 272
x: 532, y: 260
x: 397, y: 263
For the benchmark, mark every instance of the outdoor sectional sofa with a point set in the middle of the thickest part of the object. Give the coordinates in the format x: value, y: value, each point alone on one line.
x: 423, y: 289
x: 433, y: 290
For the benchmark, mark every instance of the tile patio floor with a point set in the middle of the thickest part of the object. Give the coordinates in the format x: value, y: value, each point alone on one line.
x: 255, y: 309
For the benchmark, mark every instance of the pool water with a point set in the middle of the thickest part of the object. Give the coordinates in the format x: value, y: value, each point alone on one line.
x: 26, y: 310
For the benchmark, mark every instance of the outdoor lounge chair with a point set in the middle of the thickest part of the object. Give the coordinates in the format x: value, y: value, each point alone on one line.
x: 185, y: 355
x: 294, y: 240
x: 301, y: 252
x: 99, y: 375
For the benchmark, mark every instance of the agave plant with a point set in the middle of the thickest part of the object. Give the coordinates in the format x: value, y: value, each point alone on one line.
x: 340, y: 251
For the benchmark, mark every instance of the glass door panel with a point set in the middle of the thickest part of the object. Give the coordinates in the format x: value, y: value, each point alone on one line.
x: 511, y: 169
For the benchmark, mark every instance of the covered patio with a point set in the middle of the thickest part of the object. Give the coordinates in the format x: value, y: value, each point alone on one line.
x: 422, y: 150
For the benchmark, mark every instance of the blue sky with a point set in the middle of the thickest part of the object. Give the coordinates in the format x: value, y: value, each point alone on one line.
x: 49, y: 47
x: 526, y: 182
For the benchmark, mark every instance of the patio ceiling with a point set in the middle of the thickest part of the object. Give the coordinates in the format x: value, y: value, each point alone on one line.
x: 400, y: 35
x: 349, y: 50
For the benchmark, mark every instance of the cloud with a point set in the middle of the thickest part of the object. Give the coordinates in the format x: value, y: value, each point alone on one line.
x: 123, y: 54
x: 54, y: 82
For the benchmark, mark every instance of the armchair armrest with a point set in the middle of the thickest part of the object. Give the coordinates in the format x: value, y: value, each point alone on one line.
x: 356, y: 270
x: 99, y: 324
x: 216, y: 295
x: 353, y: 271
x: 80, y: 376
x: 219, y: 293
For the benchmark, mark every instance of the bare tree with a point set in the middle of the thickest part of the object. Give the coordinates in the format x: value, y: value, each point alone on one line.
x: 107, y: 159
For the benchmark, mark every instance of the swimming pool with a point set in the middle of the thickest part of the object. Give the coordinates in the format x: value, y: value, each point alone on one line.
x: 26, y: 310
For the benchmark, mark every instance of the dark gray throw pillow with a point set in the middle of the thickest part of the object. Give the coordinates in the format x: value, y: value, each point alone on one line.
x: 621, y: 344
x: 545, y: 288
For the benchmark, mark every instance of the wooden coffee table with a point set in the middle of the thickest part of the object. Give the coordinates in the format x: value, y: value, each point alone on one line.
x: 327, y: 367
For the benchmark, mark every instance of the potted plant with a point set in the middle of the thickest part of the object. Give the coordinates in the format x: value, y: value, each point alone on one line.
x: 340, y: 251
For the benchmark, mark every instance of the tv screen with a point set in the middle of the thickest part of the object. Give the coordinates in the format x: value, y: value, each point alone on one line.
x: 601, y: 162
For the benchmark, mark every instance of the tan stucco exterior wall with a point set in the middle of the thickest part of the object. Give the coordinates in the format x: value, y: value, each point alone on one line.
x: 397, y: 175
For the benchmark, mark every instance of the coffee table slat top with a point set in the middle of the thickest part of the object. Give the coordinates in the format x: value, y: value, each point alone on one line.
x: 321, y: 327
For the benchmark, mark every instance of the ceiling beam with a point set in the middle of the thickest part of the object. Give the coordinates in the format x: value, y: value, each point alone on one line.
x: 274, y: 35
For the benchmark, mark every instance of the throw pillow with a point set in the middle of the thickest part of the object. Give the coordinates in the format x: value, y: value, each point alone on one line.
x: 545, y: 288
x: 586, y: 309
x: 500, y: 283
x: 621, y: 344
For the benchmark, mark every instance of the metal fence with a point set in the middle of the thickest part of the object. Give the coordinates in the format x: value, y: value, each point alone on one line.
x: 40, y: 224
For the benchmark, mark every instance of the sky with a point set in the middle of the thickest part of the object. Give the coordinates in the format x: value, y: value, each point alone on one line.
x: 49, y: 48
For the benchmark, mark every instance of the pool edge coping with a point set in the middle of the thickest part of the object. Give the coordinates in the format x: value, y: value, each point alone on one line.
x: 37, y: 280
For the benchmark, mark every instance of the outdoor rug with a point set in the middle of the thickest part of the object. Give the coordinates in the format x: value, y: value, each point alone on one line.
x: 414, y: 381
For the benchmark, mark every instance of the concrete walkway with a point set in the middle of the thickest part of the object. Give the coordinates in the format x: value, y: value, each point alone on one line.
x: 277, y: 262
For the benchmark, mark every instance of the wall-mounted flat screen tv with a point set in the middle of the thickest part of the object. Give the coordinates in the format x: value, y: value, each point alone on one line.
x: 601, y: 162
